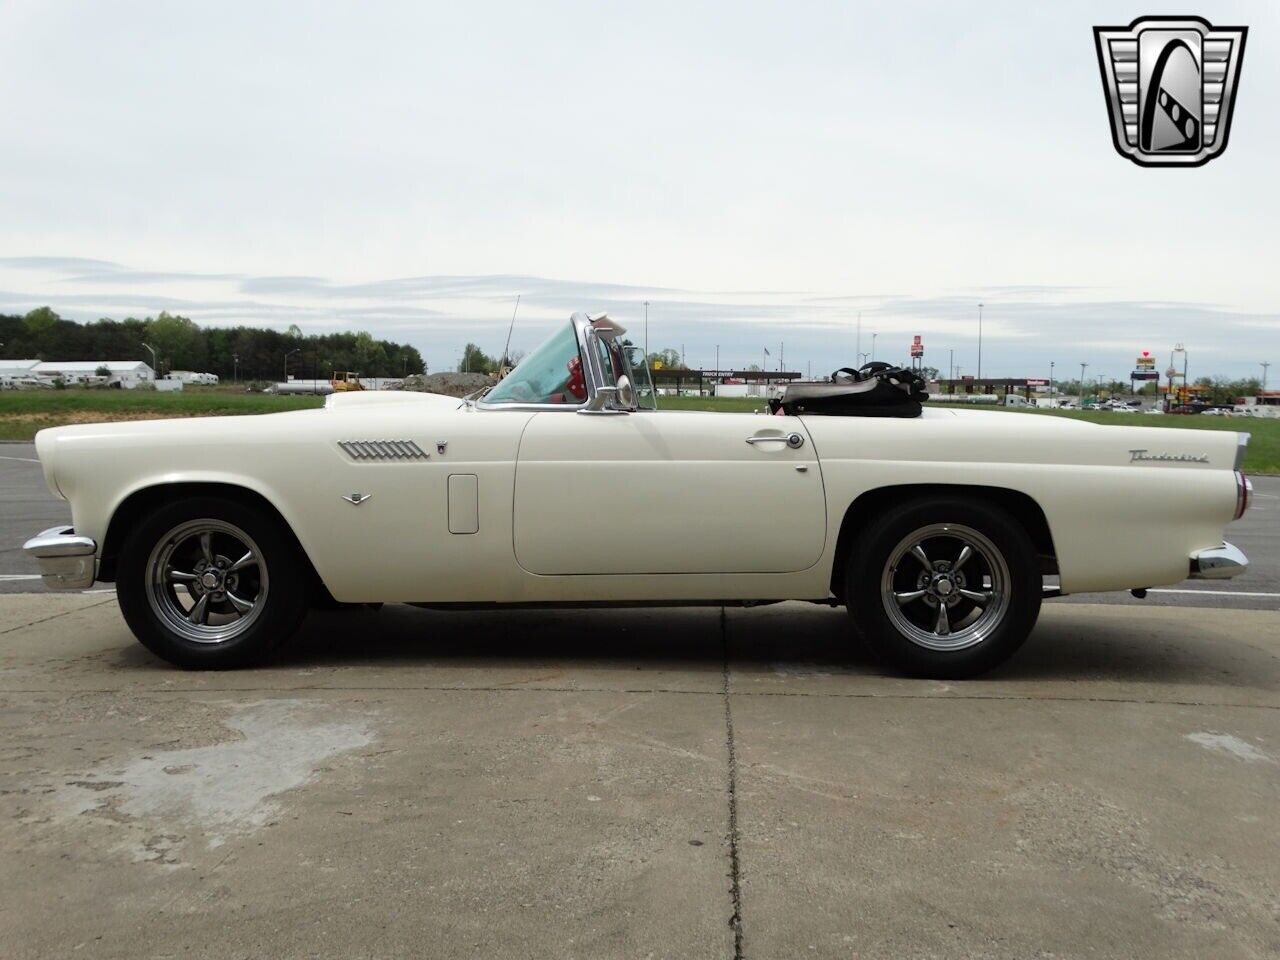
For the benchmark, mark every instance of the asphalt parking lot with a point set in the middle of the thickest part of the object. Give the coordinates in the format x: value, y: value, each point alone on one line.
x: 674, y: 783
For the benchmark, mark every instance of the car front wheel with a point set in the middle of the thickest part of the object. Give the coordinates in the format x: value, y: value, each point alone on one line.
x: 210, y: 583
x: 944, y: 588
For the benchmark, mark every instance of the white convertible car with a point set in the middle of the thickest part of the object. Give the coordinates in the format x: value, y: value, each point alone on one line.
x: 940, y: 533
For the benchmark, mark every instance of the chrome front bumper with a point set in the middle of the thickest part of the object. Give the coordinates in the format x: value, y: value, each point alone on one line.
x: 1219, y: 563
x: 66, y: 560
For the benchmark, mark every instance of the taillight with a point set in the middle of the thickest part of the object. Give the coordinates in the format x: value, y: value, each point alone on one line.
x: 1244, y: 490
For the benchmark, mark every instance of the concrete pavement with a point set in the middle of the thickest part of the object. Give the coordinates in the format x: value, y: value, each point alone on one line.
x: 674, y: 783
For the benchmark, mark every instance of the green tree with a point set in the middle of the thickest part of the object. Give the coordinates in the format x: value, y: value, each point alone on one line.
x: 668, y: 358
x: 476, y: 360
x: 40, y: 319
x: 370, y: 356
x: 178, y: 340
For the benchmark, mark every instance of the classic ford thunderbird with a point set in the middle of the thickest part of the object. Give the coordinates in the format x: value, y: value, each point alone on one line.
x: 563, y: 484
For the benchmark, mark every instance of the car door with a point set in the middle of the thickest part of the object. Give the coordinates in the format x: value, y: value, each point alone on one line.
x: 667, y: 492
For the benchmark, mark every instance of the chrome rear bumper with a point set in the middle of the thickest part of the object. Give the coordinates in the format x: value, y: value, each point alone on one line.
x: 65, y: 559
x: 1219, y: 563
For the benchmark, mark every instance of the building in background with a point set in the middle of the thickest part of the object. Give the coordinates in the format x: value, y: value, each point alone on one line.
x: 17, y: 368
x: 128, y: 373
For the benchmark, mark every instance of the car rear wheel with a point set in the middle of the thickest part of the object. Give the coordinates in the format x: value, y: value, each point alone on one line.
x: 944, y: 588
x: 210, y: 583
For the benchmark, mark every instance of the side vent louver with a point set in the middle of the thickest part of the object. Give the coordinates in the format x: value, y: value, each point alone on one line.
x: 383, y: 450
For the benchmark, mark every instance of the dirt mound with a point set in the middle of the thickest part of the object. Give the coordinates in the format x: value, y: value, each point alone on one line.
x: 449, y: 384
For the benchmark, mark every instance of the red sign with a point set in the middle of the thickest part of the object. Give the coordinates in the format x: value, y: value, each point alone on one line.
x: 917, y: 348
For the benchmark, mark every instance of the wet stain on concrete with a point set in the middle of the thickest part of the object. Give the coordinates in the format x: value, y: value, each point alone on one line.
x: 226, y: 788
x: 1231, y: 746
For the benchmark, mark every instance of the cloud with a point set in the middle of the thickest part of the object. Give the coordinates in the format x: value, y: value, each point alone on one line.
x: 1024, y: 326
x: 63, y: 265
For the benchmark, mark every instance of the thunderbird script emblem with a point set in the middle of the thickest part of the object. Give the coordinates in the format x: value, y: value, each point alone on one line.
x: 1170, y: 84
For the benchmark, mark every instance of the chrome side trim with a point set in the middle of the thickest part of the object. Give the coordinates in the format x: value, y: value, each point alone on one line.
x: 65, y: 559
x: 526, y: 407
x: 1218, y: 563
x: 383, y: 450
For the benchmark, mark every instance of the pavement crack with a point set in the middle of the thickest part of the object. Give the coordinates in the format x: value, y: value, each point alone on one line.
x: 55, y: 616
x: 640, y: 691
x: 735, y: 863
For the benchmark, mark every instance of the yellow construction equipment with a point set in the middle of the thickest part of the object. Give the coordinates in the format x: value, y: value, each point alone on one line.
x: 345, y: 380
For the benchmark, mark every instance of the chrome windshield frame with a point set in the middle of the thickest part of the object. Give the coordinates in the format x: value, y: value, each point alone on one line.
x: 593, y: 374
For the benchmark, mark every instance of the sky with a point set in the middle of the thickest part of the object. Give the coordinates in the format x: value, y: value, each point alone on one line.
x: 761, y: 173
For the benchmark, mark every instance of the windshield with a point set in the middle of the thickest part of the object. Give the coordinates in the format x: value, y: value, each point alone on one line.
x: 551, y: 374
x: 642, y: 382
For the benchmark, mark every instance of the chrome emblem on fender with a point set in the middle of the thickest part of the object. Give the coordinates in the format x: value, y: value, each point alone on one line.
x: 1136, y: 455
x: 356, y: 498
x: 1170, y: 84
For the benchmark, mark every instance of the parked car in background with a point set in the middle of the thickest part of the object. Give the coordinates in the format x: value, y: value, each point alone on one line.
x: 563, y: 484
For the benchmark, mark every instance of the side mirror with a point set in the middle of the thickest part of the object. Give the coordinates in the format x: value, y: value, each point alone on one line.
x: 626, y: 393
x: 602, y: 401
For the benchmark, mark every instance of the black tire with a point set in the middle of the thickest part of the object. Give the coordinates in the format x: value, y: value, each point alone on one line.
x: 1001, y: 553
x: 153, y: 618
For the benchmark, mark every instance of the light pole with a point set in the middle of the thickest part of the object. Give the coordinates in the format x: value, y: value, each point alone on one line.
x: 286, y: 362
x: 873, y: 347
x: 951, y: 364
x: 1178, y: 348
x: 1050, y: 383
x: 979, y: 341
x: 646, y: 331
x: 155, y: 367
x: 1265, y: 364
x: 862, y: 358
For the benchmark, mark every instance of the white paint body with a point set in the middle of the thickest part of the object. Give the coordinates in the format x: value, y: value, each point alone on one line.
x: 555, y: 505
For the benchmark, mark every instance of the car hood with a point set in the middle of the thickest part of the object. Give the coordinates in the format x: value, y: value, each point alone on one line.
x: 358, y: 399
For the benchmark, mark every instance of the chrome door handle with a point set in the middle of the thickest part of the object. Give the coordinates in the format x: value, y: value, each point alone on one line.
x: 792, y: 440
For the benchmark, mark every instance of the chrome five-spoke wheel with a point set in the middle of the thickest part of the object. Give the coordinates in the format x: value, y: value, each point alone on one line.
x: 945, y: 587
x: 207, y: 581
